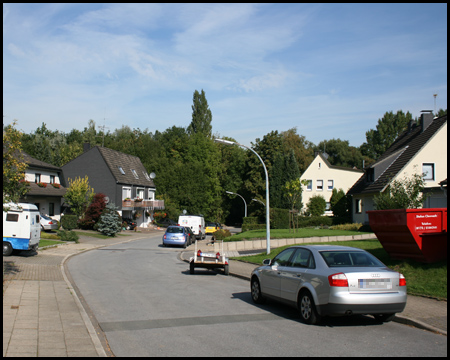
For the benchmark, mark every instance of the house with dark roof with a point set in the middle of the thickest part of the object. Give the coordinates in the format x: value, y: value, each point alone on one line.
x: 421, y: 149
x: 322, y: 178
x: 46, y: 190
x: 121, y: 177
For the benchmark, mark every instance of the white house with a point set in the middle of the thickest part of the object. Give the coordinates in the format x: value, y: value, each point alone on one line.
x: 420, y: 149
x: 322, y: 178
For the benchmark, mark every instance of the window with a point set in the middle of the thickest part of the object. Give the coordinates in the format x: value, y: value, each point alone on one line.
x: 51, y: 209
x: 319, y: 186
x: 282, y: 259
x: 146, y: 175
x: 309, y: 185
x: 140, y: 193
x: 303, y: 258
x: 52, y: 179
x: 330, y: 185
x: 122, y: 171
x: 12, y: 217
x: 358, y: 206
x: 151, y: 195
x: 428, y: 171
x: 37, y: 178
x: 135, y: 173
x: 126, y: 193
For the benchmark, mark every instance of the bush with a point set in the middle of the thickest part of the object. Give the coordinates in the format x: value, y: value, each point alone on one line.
x: 66, y: 235
x: 316, y: 205
x: 313, y: 221
x: 348, y: 227
x: 69, y: 222
x: 110, y: 222
x: 221, y: 234
x: 93, y: 213
x: 279, y: 218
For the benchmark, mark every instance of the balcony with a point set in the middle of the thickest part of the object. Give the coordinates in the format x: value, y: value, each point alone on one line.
x: 143, y: 204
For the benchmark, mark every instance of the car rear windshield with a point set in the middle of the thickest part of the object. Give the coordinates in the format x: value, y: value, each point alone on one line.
x: 210, y: 224
x: 175, y: 230
x: 350, y: 259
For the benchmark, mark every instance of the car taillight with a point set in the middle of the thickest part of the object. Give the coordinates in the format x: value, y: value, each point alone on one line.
x: 50, y: 223
x: 402, y: 281
x: 338, y: 279
x: 165, y: 237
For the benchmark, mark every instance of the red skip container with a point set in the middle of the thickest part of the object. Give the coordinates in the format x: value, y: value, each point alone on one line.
x: 418, y: 234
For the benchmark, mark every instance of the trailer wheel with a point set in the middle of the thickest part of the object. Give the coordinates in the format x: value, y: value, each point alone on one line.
x: 191, y: 267
x: 226, y: 269
x: 7, y: 248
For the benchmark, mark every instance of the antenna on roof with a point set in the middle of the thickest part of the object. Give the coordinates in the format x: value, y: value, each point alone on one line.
x: 435, y: 95
x: 102, y: 128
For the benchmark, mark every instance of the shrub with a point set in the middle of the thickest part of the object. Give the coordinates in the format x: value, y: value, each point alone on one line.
x: 66, y: 235
x: 93, y: 212
x: 279, y: 218
x: 221, y: 234
x: 317, y: 205
x: 313, y: 221
x: 110, y: 222
x: 69, y: 222
x: 348, y: 227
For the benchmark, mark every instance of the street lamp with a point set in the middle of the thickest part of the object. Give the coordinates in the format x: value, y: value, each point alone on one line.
x: 259, y: 201
x: 245, y: 203
x: 228, y: 142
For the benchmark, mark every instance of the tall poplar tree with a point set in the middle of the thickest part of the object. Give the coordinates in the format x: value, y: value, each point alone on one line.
x: 201, y: 116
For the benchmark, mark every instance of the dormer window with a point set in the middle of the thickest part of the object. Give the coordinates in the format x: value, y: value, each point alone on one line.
x: 135, y: 173
x: 121, y: 170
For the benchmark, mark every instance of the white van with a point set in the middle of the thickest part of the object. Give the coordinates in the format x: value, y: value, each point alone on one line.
x: 195, y: 222
x: 21, y: 228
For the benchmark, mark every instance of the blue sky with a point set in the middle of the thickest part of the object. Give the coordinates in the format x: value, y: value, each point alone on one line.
x: 330, y: 70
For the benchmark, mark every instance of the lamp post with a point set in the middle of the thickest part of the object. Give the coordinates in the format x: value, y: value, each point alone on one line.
x: 245, y: 203
x: 228, y: 142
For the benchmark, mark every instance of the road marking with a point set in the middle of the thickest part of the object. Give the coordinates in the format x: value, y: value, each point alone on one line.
x: 190, y: 321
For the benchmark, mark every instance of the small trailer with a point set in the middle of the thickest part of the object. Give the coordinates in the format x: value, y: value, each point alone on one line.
x: 212, y: 260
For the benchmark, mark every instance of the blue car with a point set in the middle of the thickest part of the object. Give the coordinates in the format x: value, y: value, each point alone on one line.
x: 176, y: 235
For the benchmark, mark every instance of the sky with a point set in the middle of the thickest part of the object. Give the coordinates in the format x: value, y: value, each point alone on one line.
x: 329, y: 70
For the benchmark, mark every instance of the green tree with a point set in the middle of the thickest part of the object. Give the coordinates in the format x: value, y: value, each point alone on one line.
x: 13, y: 165
x: 109, y: 223
x: 387, y: 130
x: 79, y: 195
x: 293, y: 193
x: 406, y: 193
x: 338, y: 203
x: 316, y: 205
x: 201, y: 115
x: 340, y: 153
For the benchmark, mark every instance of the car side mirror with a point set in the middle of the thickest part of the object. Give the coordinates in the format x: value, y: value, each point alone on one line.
x: 267, y: 262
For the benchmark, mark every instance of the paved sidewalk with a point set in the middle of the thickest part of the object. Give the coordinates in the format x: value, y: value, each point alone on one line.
x: 43, y: 316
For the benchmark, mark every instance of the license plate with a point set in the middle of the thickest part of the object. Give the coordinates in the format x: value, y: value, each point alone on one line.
x: 375, y: 284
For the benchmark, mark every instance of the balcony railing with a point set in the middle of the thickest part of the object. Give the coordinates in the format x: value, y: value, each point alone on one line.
x: 149, y: 204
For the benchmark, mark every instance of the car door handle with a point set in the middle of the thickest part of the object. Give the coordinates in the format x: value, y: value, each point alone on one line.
x: 299, y: 275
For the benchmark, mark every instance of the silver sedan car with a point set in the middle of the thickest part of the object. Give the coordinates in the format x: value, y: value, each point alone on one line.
x: 323, y: 280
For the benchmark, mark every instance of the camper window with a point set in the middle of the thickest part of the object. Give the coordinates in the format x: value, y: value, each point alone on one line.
x: 12, y: 217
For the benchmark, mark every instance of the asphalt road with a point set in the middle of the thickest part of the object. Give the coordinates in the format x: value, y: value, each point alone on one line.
x: 148, y: 304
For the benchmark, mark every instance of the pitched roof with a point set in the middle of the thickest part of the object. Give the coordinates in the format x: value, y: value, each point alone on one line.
x: 35, y: 163
x: 117, y: 160
x: 395, y: 158
x: 325, y: 160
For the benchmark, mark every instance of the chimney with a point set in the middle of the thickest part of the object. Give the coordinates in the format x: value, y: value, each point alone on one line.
x: 86, y: 147
x: 410, y: 125
x: 426, y: 119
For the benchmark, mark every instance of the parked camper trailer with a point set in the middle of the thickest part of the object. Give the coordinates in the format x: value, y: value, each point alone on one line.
x: 21, y: 228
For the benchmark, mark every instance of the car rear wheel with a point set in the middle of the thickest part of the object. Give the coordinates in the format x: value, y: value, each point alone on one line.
x: 256, y: 291
x: 307, y: 308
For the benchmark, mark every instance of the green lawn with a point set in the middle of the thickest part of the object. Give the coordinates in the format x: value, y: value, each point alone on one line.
x: 421, y: 279
x: 286, y: 234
